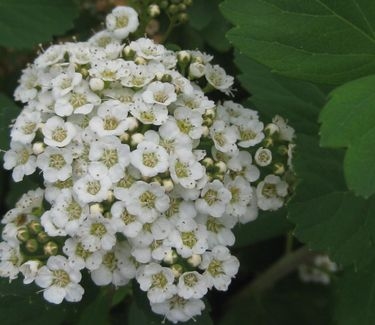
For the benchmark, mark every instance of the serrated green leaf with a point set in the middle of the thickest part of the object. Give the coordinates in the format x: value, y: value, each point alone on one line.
x: 348, y: 120
x: 355, y: 296
x: 324, y: 41
x: 272, y: 94
x: 25, y: 23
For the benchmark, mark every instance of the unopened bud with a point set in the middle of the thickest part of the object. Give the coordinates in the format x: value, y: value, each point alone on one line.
x: 132, y: 123
x: 195, y: 260
x: 166, y: 78
x: 38, y: 148
x: 183, y: 57
x: 32, y: 245
x: 128, y: 52
x: 140, y: 61
x: 271, y: 129
x: 196, y: 70
x: 51, y: 248
x: 34, y: 227
x: 181, y: 7
x: 207, y: 162
x: 23, y: 234
x: 168, y: 185
x: 96, y: 84
x: 110, y: 197
x: 263, y: 157
x: 173, y: 9
x: 136, y: 139
x: 278, y: 168
x: 268, y: 142
x: 153, y: 10
x: 183, y: 17
x: 84, y: 72
x: 170, y: 257
x: 177, y: 270
x: 124, y: 137
x: 96, y: 208
x: 282, y: 150
x: 221, y: 166
x: 43, y: 237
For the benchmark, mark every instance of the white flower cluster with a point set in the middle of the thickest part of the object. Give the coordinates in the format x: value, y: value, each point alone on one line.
x: 319, y: 271
x: 144, y: 175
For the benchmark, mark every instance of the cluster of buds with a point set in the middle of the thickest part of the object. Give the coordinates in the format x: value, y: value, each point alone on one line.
x: 144, y: 176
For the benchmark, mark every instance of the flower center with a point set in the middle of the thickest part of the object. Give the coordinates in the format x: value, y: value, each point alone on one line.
x: 57, y: 161
x: 98, y: 229
x: 122, y: 21
x: 110, y: 261
x: 110, y: 123
x: 190, y: 280
x: 269, y: 190
x: 60, y: 278
x: 127, y: 217
x: 210, y: 197
x: 109, y: 157
x: 213, y: 226
x: 220, y: 139
x: 59, y: 134
x: 73, y: 210
x: 159, y: 280
x: 160, y: 97
x: 150, y: 159
x: 78, y: 100
x: 28, y: 127
x: 247, y: 134
x: 188, y: 239
x: 184, y: 126
x: 23, y: 157
x: 81, y: 252
x: 93, y: 187
x: 147, y: 199
x: 215, y: 268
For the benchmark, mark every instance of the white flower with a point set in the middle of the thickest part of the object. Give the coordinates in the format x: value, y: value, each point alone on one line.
x: 241, y: 192
x: 20, y: 159
x: 116, y: 267
x: 147, y: 49
x: 79, y: 257
x: 271, y: 193
x: 97, y: 233
x: 224, y: 137
x: 122, y: 21
x: 196, y: 101
x: 185, y: 169
x: 111, y: 118
x: 129, y: 224
x: 10, y: 260
x: 109, y: 70
x: 235, y: 113
x: 56, y: 164
x: 286, y: 131
x: 109, y: 157
x: 217, y: 77
x: 65, y: 82
x: 139, y: 76
x: 191, y: 285
x: 29, y: 81
x: 146, y: 200
x: 29, y: 270
x: 148, y: 113
x: 90, y: 189
x: 157, y: 281
x: 52, y: 55
x: 161, y: 93
x: 59, y: 280
x: 26, y: 125
x: 214, y: 198
x: 149, y: 158
x: 220, y: 267
x: 57, y: 132
x: 241, y: 164
x: 250, y: 133
x: 178, y: 309
x: 189, y: 237
x: 30, y: 200
x: 81, y: 100
x: 263, y: 157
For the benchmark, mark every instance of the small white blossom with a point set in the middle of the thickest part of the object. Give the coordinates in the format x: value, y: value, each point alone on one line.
x: 271, y: 193
x: 122, y: 21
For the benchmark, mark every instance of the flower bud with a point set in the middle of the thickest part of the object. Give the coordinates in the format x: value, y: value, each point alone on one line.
x: 96, y: 84
x: 183, y: 17
x: 96, y: 208
x: 221, y: 166
x: 164, y: 4
x: 195, y: 260
x: 181, y: 7
x: 124, y: 137
x: 173, y: 9
x: 38, y: 148
x: 166, y: 78
x: 168, y: 184
x: 43, y: 237
x: 196, y: 70
x: 183, y: 57
x: 278, y: 168
x: 128, y: 52
x: 271, y: 129
x: 153, y: 10
x: 140, y: 61
x: 170, y: 257
x: 35, y: 227
x: 207, y: 162
x: 51, y: 248
x: 23, y: 234
x: 268, y: 142
x: 136, y: 139
x: 177, y: 270
x: 188, y: 2
x: 32, y: 245
x: 133, y: 123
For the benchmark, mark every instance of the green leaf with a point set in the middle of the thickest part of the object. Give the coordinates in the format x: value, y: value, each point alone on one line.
x: 355, y: 296
x: 272, y: 94
x: 201, y: 13
x: 289, y: 303
x: 19, y: 304
x: 324, y: 41
x: 348, y: 120
x: 96, y: 312
x: 266, y: 226
x: 25, y: 23
x: 8, y: 111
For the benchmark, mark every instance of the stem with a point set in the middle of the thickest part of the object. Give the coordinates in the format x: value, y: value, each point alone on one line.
x: 277, y: 271
x: 289, y: 243
x: 169, y: 30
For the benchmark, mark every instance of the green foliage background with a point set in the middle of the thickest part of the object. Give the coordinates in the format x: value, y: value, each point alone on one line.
x: 311, y: 61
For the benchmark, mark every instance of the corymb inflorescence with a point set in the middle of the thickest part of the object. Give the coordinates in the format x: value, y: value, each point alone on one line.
x: 144, y: 176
